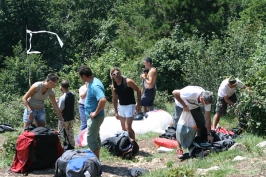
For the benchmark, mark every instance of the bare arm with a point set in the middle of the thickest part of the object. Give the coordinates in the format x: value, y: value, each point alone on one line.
x: 208, y: 126
x: 56, y: 108
x: 30, y: 92
x: 134, y: 86
x: 228, y: 101
x: 114, y: 99
x: 176, y: 94
x: 151, y: 77
x: 208, y: 121
x: 100, y: 107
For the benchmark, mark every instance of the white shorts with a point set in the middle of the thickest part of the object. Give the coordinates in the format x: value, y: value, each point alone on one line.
x: 126, y: 111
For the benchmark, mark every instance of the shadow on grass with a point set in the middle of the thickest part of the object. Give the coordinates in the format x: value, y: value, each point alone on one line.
x: 119, y: 171
x: 144, y: 154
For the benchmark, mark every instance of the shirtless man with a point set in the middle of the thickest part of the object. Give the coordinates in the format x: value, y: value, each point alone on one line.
x: 148, y: 96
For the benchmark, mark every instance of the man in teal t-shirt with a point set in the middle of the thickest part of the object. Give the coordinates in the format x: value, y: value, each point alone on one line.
x: 94, y: 108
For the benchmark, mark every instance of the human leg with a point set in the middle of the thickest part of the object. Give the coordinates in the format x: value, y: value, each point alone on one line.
x: 221, y: 107
x: 128, y: 112
x: 216, y: 120
x: 69, y: 127
x: 93, y: 135
x: 177, y: 114
x: 123, y: 123
x: 129, y: 127
x: 83, y: 119
x: 122, y: 116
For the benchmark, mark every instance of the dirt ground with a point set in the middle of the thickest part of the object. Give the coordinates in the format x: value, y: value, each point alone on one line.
x: 147, y: 148
x: 111, y: 169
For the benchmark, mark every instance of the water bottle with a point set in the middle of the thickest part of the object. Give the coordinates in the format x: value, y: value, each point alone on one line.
x: 87, y: 174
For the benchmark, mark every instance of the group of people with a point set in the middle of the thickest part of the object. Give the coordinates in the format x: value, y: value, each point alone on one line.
x: 64, y: 106
x: 192, y: 98
x: 92, y: 102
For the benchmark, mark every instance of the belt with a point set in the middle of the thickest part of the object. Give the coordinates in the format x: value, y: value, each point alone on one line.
x: 81, y: 104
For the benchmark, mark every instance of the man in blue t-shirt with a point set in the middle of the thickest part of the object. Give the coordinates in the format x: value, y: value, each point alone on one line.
x: 94, y: 108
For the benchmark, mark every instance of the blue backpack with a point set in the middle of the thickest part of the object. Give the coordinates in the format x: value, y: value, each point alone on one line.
x: 78, y: 163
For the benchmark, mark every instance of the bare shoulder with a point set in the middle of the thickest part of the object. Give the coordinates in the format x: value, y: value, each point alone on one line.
x: 153, y: 71
x: 130, y: 81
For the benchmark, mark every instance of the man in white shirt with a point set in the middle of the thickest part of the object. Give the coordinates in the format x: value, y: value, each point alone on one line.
x: 226, y: 95
x: 82, y: 95
x: 192, y: 98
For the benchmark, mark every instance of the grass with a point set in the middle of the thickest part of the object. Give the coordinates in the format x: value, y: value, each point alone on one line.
x: 223, y: 159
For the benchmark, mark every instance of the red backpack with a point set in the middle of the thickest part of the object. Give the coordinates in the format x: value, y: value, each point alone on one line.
x: 36, y: 148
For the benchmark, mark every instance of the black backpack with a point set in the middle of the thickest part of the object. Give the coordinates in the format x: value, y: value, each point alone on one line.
x: 121, y: 146
x: 170, y: 133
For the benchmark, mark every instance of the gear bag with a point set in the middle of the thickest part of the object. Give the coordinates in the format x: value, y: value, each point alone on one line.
x: 121, y: 146
x: 78, y: 163
x: 36, y: 148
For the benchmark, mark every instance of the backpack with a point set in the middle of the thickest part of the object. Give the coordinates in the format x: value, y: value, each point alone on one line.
x: 170, y: 133
x: 121, y: 146
x: 6, y: 127
x: 36, y: 148
x: 78, y: 163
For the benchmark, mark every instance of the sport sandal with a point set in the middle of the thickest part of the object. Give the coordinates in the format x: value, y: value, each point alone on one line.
x: 179, y: 153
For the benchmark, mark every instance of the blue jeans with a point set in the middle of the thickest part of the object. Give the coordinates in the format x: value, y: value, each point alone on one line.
x: 38, y: 115
x: 83, y: 118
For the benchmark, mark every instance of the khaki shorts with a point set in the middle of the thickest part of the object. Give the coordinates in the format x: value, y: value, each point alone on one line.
x: 221, y: 105
x: 93, y: 135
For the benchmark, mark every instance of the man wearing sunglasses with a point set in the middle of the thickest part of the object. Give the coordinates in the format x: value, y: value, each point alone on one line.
x: 226, y: 95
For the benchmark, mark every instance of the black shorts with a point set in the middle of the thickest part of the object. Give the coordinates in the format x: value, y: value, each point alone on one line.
x: 221, y: 105
x: 196, y: 113
x: 148, y: 96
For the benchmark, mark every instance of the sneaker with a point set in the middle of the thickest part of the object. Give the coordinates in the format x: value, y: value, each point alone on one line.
x: 179, y: 153
x: 139, y: 116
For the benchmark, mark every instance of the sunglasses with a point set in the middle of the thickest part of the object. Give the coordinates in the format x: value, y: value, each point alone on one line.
x: 114, y: 74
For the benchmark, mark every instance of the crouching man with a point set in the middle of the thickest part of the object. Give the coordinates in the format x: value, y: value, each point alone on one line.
x: 192, y: 98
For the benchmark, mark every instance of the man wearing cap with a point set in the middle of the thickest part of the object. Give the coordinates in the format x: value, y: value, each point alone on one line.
x: 226, y: 95
x: 191, y: 99
x: 148, y: 95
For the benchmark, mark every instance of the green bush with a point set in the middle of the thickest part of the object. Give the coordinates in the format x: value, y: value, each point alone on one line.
x: 9, y: 148
x: 12, y: 111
